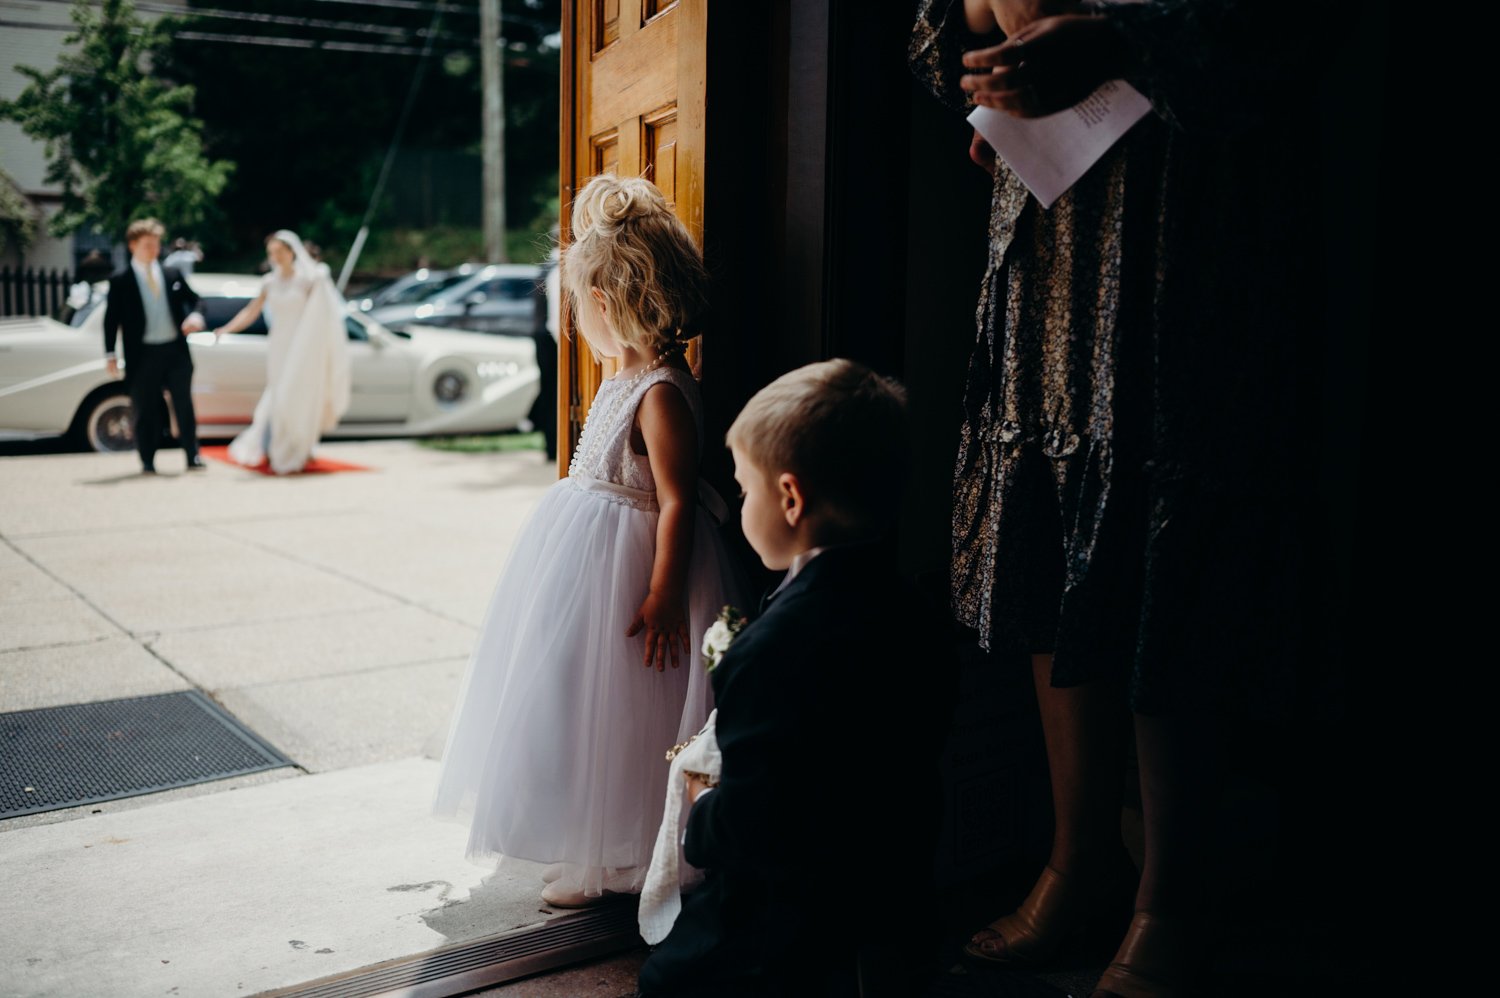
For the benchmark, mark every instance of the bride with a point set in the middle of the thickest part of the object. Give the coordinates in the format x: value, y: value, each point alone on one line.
x: 307, y: 359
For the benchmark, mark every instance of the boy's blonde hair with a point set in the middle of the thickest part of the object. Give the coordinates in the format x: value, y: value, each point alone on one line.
x: 841, y: 429
x: 627, y: 242
x: 143, y: 227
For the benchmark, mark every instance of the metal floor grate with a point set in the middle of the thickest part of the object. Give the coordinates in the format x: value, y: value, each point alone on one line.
x: 60, y: 757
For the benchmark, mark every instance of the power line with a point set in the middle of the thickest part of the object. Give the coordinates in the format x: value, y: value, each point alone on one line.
x: 36, y: 25
x: 472, y: 11
x: 278, y: 41
x: 390, y: 154
x: 288, y: 41
x: 298, y: 22
x: 439, y: 8
x: 260, y: 18
x: 418, y: 5
x: 302, y: 43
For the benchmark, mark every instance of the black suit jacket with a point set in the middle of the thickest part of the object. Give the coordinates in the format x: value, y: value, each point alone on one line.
x: 125, y: 312
x: 809, y: 857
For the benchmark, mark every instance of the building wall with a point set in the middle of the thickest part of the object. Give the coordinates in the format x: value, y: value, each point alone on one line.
x: 34, y: 37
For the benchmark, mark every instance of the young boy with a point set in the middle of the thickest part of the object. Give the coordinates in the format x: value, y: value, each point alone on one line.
x: 833, y: 707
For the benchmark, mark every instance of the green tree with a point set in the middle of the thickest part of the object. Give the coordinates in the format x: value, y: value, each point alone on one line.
x: 18, y: 216
x: 119, y: 140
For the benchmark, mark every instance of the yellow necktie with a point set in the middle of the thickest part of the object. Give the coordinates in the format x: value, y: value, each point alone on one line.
x: 151, y: 282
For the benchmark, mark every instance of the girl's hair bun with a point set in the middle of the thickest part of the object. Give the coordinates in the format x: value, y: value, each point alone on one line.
x: 629, y: 247
x: 608, y: 202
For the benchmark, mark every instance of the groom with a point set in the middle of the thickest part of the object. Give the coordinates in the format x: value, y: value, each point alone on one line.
x: 153, y: 310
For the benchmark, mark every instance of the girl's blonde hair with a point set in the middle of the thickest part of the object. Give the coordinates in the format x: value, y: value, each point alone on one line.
x: 628, y: 243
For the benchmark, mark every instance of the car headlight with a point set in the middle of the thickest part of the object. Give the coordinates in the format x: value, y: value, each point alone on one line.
x: 493, y: 369
x: 423, y: 311
x: 450, y: 387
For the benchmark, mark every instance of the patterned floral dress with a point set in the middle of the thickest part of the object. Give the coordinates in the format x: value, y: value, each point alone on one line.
x: 1124, y: 496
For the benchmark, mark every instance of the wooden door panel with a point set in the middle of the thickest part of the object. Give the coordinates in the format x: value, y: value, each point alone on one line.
x: 606, y: 157
x: 636, y: 74
x: 660, y: 144
x: 650, y: 8
x: 634, y: 98
x: 607, y: 23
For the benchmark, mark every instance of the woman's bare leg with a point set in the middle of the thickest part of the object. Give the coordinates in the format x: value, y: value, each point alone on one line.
x: 1082, y: 727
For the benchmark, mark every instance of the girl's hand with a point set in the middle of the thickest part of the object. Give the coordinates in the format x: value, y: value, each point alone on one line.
x: 1048, y: 66
x: 666, y: 624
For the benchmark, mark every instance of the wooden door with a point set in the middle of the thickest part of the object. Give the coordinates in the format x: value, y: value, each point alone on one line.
x: 633, y: 103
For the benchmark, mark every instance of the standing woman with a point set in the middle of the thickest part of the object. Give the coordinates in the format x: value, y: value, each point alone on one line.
x: 1126, y: 509
x: 307, y: 359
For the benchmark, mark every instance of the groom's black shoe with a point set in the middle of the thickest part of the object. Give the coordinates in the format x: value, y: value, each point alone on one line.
x: 195, y: 463
x: 148, y: 469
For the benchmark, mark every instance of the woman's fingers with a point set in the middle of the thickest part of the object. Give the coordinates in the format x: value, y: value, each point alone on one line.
x: 1012, y: 82
x: 1022, y: 102
x: 984, y: 58
x: 982, y: 153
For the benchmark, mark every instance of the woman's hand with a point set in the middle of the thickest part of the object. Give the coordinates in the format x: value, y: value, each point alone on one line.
x: 1048, y: 66
x: 982, y: 153
x: 665, y: 622
x: 1013, y: 15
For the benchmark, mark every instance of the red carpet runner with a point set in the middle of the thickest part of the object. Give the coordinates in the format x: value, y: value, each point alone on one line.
x: 317, y: 466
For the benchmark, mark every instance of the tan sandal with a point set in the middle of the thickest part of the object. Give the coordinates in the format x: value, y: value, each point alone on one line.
x: 1151, y: 963
x: 1035, y: 931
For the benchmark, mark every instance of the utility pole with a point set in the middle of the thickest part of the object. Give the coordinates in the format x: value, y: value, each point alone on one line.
x: 494, y: 131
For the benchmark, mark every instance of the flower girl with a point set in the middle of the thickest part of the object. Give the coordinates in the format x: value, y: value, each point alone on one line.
x: 585, y: 671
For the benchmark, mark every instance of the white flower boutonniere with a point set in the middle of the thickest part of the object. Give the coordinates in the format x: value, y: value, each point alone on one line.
x: 721, y: 634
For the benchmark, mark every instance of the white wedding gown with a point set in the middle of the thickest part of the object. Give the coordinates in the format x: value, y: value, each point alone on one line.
x: 307, y: 369
x: 558, y: 746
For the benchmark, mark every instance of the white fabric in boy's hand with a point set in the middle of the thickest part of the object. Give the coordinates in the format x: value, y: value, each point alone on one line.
x: 661, y: 897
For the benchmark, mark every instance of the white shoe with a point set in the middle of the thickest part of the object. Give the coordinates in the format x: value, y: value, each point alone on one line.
x: 560, y: 897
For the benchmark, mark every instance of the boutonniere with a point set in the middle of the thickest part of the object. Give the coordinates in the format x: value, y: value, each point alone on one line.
x: 721, y: 634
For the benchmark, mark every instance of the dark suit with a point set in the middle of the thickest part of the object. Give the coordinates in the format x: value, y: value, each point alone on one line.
x: 152, y: 368
x: 818, y: 864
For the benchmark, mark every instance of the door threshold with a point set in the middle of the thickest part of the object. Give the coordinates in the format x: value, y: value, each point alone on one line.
x: 468, y: 966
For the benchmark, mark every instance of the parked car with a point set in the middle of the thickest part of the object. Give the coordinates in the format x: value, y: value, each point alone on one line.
x: 495, y: 299
x: 410, y: 289
x: 414, y: 383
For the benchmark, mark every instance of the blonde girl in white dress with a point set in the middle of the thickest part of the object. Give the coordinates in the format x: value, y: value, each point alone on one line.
x: 586, y: 670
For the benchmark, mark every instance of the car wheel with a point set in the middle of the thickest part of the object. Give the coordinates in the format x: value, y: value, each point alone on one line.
x: 450, y: 387
x: 108, y: 424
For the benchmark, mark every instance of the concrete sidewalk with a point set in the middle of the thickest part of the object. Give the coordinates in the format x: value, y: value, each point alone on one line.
x: 331, y: 614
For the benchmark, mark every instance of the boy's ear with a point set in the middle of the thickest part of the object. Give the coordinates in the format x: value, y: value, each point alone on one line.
x: 793, y: 500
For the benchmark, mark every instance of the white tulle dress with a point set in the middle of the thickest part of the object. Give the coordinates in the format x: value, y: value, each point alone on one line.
x: 557, y: 748
x: 307, y: 367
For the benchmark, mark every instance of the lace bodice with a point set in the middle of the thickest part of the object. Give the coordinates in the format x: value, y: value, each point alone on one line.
x: 285, y: 296
x: 604, y: 451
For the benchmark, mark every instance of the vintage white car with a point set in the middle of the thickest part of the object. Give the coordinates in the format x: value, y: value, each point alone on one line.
x: 416, y: 383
